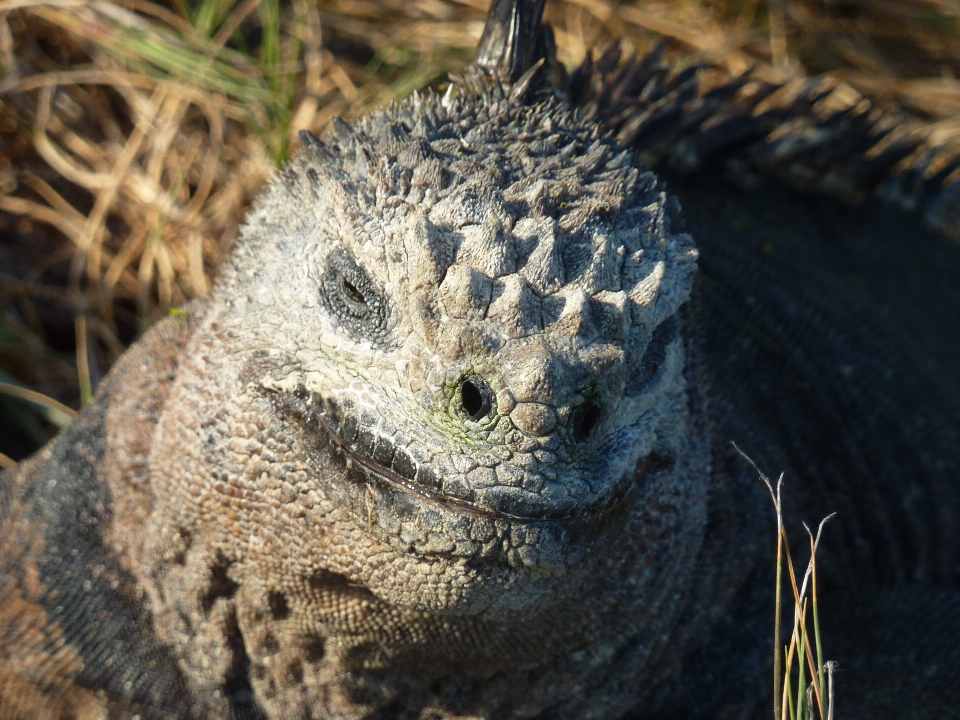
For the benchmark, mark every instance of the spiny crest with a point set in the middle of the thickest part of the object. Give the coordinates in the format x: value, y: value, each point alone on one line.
x: 523, y: 217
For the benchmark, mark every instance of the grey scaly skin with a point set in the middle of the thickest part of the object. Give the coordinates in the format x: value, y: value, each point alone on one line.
x: 447, y: 440
x: 441, y: 408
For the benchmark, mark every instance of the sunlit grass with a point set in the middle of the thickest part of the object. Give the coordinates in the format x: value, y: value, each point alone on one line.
x: 796, y: 695
x: 153, y: 125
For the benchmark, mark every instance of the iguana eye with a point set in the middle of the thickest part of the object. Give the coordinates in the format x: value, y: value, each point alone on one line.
x: 351, y: 292
x: 353, y: 298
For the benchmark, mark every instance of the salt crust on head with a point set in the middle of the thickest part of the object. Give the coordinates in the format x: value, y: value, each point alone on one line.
x: 514, y: 243
x: 492, y: 222
x: 317, y: 472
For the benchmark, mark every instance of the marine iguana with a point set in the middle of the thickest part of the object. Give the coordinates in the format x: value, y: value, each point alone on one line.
x: 449, y: 439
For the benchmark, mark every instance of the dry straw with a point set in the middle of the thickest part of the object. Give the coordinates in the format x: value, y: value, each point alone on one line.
x: 794, y: 696
x: 135, y: 133
x: 164, y: 120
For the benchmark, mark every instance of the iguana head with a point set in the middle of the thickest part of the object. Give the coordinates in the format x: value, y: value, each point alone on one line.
x: 478, y: 297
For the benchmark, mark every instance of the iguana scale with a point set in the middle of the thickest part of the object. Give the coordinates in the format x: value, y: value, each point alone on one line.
x: 450, y: 438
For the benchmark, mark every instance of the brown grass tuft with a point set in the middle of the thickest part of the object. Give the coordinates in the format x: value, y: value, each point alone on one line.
x: 134, y: 134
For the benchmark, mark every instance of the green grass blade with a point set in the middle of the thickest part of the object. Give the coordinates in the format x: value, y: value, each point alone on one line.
x: 801, y: 677
x: 788, y: 689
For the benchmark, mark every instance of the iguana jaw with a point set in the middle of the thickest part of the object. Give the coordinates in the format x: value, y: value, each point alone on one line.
x: 413, y: 479
x: 496, y: 561
x: 377, y: 472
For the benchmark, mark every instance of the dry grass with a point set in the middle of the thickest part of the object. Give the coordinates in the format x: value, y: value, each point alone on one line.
x: 795, y: 697
x: 134, y: 134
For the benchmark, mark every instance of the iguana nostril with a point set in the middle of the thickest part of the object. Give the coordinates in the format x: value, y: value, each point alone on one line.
x: 586, y: 421
x: 475, y: 398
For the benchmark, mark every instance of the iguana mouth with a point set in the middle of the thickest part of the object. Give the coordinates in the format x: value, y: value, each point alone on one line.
x: 318, y: 415
x: 392, y: 478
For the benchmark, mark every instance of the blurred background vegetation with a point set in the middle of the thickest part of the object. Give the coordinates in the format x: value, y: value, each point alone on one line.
x: 134, y: 133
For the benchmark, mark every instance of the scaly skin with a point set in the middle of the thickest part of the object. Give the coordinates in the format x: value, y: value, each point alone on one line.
x: 443, y: 442
x: 321, y: 479
x: 336, y: 472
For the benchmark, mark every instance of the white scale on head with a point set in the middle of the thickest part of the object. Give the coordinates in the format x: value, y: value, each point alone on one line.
x: 497, y: 259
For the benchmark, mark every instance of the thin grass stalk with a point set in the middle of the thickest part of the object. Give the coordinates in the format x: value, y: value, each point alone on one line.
x: 55, y: 408
x: 816, y: 614
x: 830, y: 667
x: 208, y: 15
x: 800, y: 601
x: 805, y: 653
x: 790, y: 572
x: 800, y: 634
x: 777, y: 663
x: 787, y: 701
x: 282, y: 74
x: 796, y: 640
x: 83, y: 361
x: 269, y: 11
x: 775, y: 495
x: 232, y: 23
x: 801, y: 644
x: 814, y: 668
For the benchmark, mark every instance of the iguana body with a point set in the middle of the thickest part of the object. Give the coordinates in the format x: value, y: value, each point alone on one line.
x: 448, y: 441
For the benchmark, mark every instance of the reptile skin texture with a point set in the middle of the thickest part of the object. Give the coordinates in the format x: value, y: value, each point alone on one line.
x: 450, y: 438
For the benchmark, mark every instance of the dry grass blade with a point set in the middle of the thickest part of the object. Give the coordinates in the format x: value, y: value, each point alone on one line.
x: 778, y: 33
x: 83, y: 361
x: 57, y: 410
x: 150, y: 127
x: 785, y: 705
x: 779, y: 693
x: 169, y: 172
x: 819, y: 665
